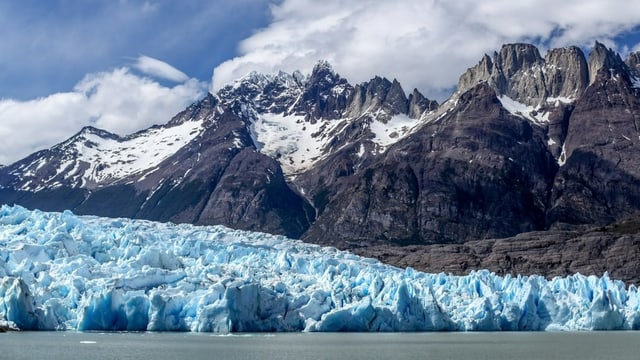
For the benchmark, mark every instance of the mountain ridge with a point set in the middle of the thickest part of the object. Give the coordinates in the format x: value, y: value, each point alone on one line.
x: 525, y: 144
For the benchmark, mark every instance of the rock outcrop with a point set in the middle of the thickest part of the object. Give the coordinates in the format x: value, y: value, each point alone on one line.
x: 518, y: 71
x: 566, y: 73
x: 606, y: 61
x: 633, y: 62
x: 612, y: 249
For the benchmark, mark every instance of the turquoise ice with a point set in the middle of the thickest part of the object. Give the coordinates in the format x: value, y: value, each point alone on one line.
x: 66, y: 272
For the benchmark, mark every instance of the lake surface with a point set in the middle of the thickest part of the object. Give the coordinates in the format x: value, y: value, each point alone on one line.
x: 494, y: 346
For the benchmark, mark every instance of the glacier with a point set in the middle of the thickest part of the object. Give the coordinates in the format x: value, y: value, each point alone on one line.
x: 60, y: 271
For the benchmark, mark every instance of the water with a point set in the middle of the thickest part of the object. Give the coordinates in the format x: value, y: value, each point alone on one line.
x: 495, y: 346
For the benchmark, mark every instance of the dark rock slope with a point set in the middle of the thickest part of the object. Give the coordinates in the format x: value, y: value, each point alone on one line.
x: 479, y: 171
x: 612, y: 249
x: 447, y: 182
x: 600, y: 180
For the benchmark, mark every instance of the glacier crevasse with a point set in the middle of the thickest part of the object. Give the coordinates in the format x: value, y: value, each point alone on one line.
x: 59, y: 271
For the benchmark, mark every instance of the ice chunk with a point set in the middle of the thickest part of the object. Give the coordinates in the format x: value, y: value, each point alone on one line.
x: 18, y: 304
x: 60, y: 271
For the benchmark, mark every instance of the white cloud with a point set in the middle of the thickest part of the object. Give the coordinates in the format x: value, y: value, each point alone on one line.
x: 118, y: 101
x: 424, y: 44
x: 160, y: 69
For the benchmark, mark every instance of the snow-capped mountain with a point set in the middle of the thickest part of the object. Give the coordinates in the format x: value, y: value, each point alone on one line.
x: 294, y: 120
x: 94, y: 158
x: 526, y: 143
x: 250, y: 135
x: 300, y: 121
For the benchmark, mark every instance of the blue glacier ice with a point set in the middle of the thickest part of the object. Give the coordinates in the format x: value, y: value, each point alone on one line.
x: 66, y: 272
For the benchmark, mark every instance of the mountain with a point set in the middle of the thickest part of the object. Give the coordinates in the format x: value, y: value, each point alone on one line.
x: 525, y: 145
x: 225, y: 159
x: 198, y: 168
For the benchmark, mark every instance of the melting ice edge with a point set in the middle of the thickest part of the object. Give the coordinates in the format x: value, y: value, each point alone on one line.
x: 65, y: 272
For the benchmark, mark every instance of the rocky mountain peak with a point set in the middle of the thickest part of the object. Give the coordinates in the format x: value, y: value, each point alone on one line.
x: 633, y: 62
x: 477, y: 74
x: 199, y: 110
x: 514, y: 71
x: 385, y: 98
x: 514, y: 58
x: 253, y: 79
x: 325, y: 94
x: 323, y: 72
x: 91, y: 130
x: 397, y: 98
x: 566, y: 72
x: 520, y: 73
x: 605, y: 58
x: 418, y: 104
x: 274, y: 93
x: 379, y: 93
x: 83, y: 136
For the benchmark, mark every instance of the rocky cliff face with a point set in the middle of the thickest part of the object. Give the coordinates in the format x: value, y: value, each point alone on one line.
x: 633, y: 62
x: 526, y: 144
x: 519, y: 72
x: 566, y: 73
x: 446, y: 183
x: 613, y: 249
x: 604, y: 59
x: 598, y: 182
x: 491, y: 166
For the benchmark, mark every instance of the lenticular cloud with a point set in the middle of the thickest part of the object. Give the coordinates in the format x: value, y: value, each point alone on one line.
x: 60, y: 271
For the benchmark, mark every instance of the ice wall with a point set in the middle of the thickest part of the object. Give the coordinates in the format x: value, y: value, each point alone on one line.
x: 61, y: 271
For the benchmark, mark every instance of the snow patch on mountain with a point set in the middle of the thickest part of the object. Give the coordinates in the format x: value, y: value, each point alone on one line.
x: 528, y: 112
x: 562, y: 159
x: 361, y: 151
x: 560, y: 100
x: 297, y: 144
x: 389, y: 132
x: 94, y: 157
x: 116, y: 159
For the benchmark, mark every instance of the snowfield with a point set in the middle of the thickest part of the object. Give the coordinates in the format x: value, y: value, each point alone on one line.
x: 65, y: 272
x: 115, y: 159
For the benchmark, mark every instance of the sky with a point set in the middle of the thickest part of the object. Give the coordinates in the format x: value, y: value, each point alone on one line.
x: 124, y: 65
